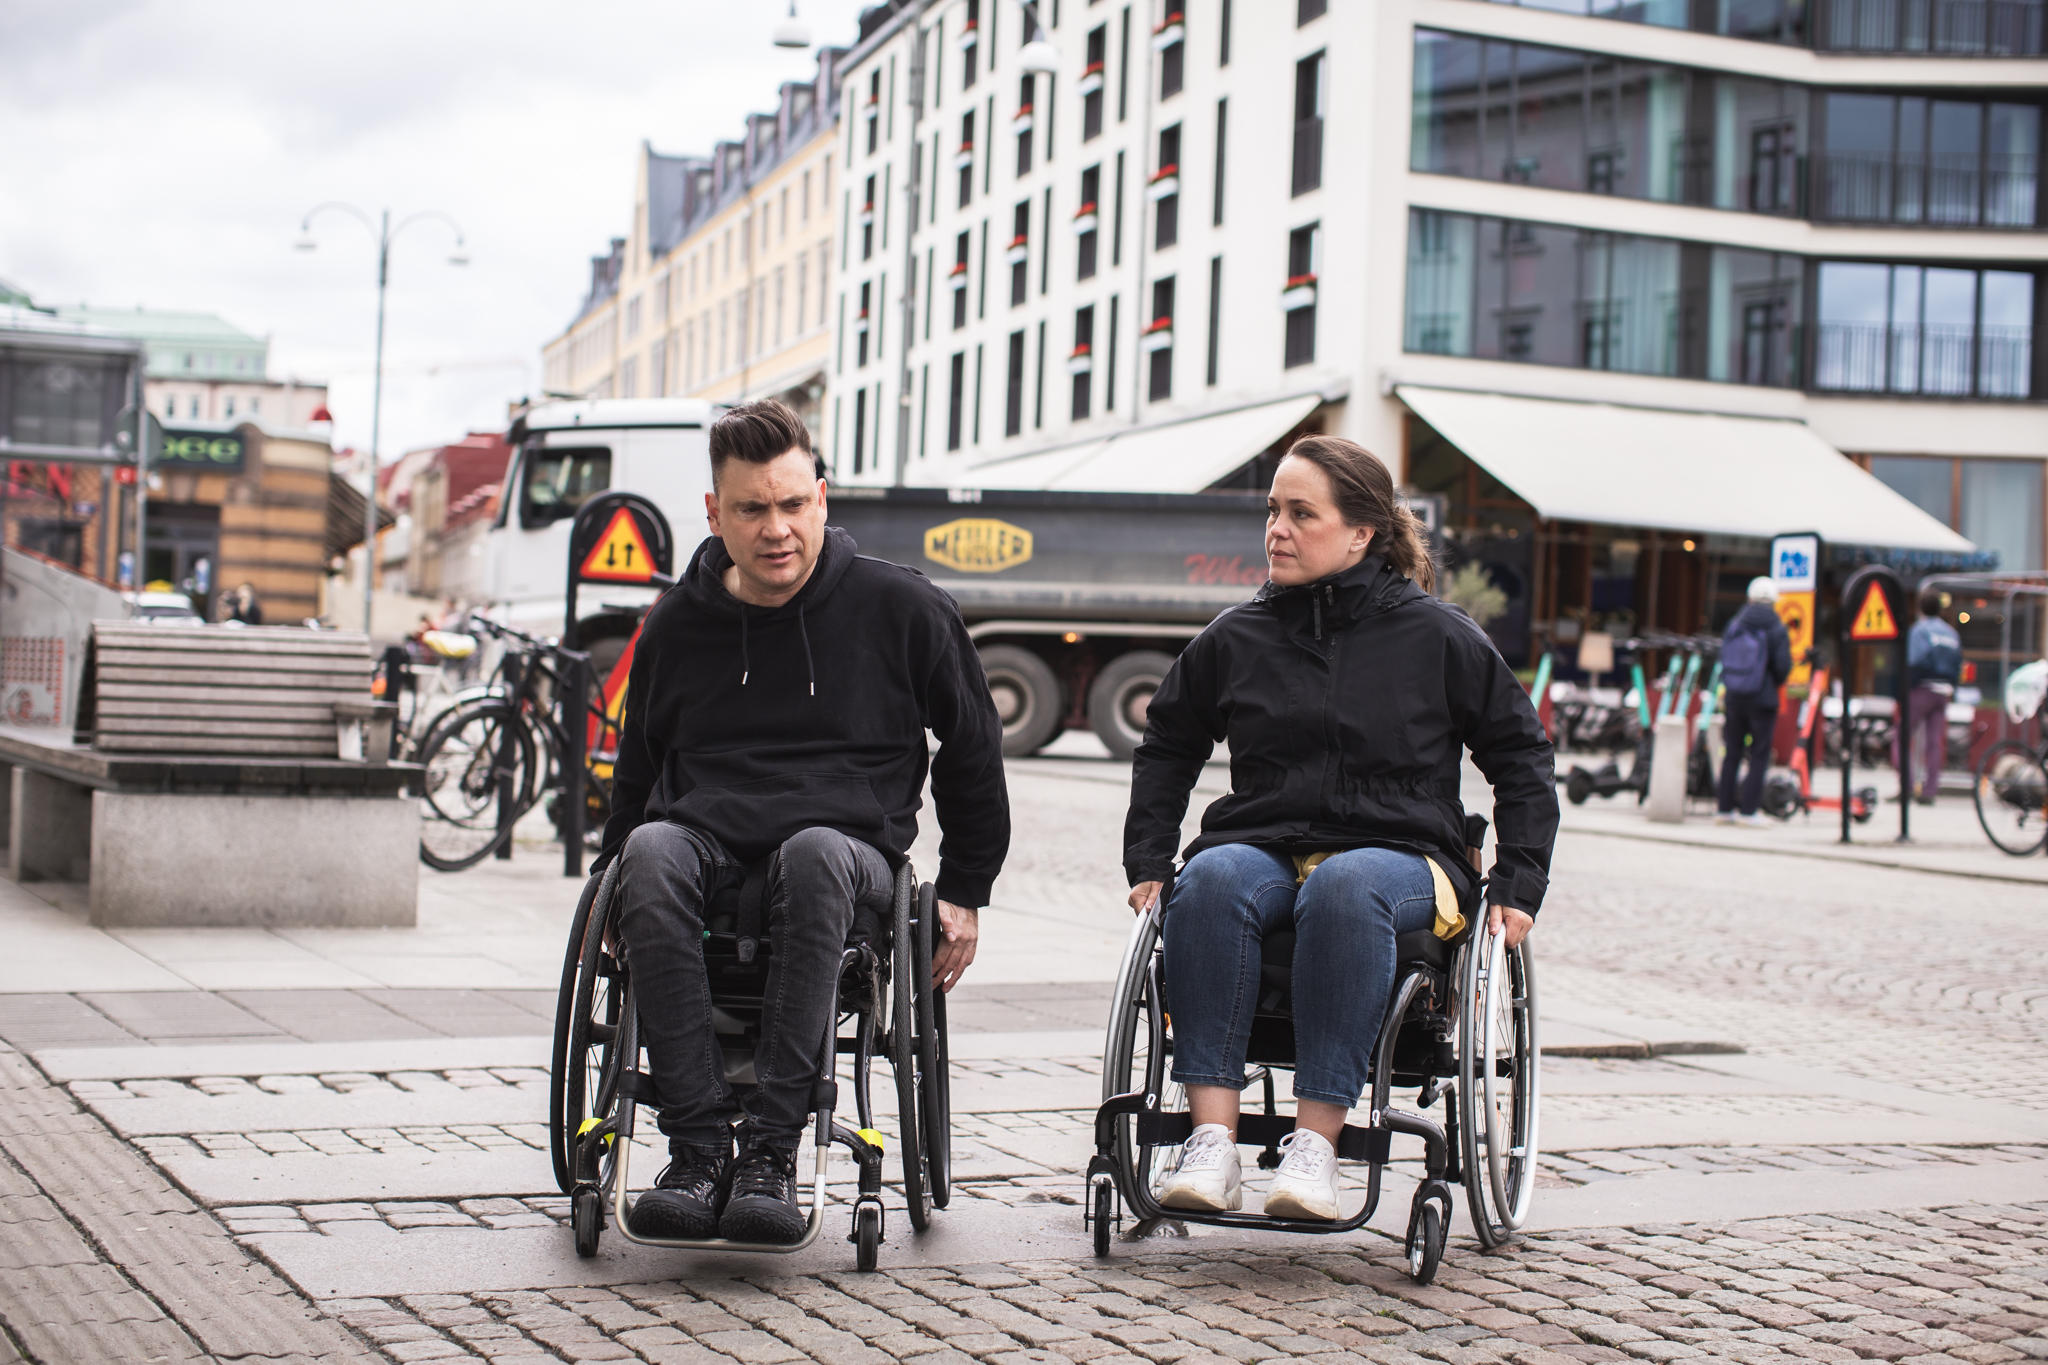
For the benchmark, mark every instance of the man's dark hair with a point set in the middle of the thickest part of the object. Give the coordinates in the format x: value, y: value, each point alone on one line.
x: 757, y: 433
x: 1930, y: 601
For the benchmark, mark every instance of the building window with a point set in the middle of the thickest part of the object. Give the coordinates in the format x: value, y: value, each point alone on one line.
x: 860, y: 327
x: 867, y: 222
x: 1086, y: 223
x: 1995, y: 503
x: 1171, y: 41
x: 1081, y: 362
x: 633, y: 317
x: 1912, y: 159
x: 970, y: 34
x: 1159, y: 337
x: 1508, y: 290
x: 860, y: 429
x: 964, y: 158
x: 1023, y: 126
x: 1215, y: 320
x: 1019, y: 255
x: 873, y: 113
x: 1093, y: 78
x: 1925, y: 329
x: 1308, y: 123
x: 1165, y: 189
x: 1300, y: 296
x: 1013, y: 388
x: 958, y: 280
x: 956, y: 399
x: 1222, y: 129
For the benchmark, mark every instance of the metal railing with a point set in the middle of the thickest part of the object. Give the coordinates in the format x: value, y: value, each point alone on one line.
x: 1927, y: 358
x: 1994, y: 188
x: 1991, y: 28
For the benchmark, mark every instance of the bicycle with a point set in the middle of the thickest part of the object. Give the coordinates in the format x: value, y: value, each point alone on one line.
x: 2012, y: 777
x: 489, y: 761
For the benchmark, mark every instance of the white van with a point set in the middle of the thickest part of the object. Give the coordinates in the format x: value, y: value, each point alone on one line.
x: 567, y: 452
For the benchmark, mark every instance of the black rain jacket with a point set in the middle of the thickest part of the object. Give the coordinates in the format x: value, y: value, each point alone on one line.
x: 753, y: 723
x: 1348, y: 704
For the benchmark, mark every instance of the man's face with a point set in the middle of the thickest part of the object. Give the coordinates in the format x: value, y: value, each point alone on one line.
x: 772, y: 519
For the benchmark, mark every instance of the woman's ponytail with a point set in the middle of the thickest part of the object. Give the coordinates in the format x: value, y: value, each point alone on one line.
x: 1365, y: 496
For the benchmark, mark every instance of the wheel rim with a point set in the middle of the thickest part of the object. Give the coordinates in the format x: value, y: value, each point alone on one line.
x: 458, y: 788
x: 1135, y: 1031
x: 903, y: 1060
x: 1506, y: 1035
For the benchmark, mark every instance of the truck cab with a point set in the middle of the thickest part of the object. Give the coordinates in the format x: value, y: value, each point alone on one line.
x: 564, y: 453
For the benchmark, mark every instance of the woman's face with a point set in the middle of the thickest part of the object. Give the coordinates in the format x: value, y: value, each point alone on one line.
x: 1305, y: 538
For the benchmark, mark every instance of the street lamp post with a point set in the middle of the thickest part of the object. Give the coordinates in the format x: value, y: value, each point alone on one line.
x: 384, y: 233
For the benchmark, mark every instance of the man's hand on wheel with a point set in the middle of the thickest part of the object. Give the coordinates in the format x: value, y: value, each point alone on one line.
x: 1519, y: 923
x: 1142, y: 896
x: 959, y: 931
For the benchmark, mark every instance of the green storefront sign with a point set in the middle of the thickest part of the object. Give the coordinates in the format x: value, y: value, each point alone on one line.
x: 219, y: 451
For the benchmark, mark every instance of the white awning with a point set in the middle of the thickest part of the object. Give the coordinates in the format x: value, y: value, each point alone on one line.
x: 1679, y: 471
x: 1174, y: 457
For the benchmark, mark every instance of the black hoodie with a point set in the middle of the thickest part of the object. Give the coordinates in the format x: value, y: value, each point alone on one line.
x: 1348, y: 704
x: 752, y: 723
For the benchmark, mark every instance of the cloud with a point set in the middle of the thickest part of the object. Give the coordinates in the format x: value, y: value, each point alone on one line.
x: 163, y: 153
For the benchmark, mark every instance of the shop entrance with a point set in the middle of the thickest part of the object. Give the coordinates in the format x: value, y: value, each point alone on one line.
x: 182, y: 548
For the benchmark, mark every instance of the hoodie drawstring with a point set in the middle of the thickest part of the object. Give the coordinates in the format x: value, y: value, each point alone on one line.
x: 809, y: 666
x: 745, y: 667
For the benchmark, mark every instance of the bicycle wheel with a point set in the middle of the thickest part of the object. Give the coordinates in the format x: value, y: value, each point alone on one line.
x: 2012, y: 797
x: 464, y: 757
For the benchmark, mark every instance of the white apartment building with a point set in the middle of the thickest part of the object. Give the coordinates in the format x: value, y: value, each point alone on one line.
x: 1539, y: 261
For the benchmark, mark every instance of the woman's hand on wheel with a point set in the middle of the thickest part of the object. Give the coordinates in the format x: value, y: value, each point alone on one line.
x: 1143, y: 895
x: 959, y: 931
x: 1518, y: 922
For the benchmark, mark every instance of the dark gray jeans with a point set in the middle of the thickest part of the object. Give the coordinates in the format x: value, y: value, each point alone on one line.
x: 667, y: 875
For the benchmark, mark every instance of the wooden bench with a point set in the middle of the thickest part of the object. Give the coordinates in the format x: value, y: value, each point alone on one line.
x: 221, y: 776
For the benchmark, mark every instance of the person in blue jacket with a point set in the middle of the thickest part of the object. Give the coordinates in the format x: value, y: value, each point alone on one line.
x: 1934, y: 665
x: 1756, y: 658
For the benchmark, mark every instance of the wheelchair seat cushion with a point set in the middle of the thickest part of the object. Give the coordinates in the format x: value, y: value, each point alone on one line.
x: 1276, y: 953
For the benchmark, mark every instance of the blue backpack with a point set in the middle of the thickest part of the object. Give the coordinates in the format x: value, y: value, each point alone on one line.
x: 1745, y: 659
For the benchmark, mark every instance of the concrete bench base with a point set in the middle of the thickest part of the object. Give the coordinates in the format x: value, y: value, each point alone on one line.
x: 184, y: 860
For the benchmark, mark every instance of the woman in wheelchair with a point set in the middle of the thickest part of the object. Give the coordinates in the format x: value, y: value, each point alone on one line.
x: 1348, y: 696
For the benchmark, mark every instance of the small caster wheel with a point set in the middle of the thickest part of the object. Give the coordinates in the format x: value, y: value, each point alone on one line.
x: 1105, y: 1214
x: 586, y: 1218
x: 1426, y: 1237
x: 867, y: 1237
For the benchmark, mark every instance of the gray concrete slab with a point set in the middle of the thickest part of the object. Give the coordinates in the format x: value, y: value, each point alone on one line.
x: 156, y: 1015
x: 465, y: 1013
x: 407, y: 1175
x: 31, y: 1022
x: 438, y: 1106
x: 266, y: 1058
x: 328, y: 1016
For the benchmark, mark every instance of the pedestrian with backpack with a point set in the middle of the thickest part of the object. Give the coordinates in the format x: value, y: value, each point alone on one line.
x: 1934, y: 665
x: 1756, y: 658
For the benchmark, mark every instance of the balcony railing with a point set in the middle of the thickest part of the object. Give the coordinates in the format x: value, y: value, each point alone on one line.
x: 1995, y: 189
x: 1989, y: 28
x: 1939, y: 360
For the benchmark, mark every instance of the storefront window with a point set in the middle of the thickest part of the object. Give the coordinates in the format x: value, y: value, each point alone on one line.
x: 2001, y: 510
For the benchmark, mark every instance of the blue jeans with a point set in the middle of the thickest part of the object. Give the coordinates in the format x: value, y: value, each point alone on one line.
x: 1345, y: 919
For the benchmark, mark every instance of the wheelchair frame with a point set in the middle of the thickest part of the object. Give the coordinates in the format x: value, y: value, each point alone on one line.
x: 597, y: 1082
x: 1481, y: 1004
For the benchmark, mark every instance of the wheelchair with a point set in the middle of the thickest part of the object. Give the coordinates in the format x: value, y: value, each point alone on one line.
x: 1461, y: 1025
x: 883, y: 1004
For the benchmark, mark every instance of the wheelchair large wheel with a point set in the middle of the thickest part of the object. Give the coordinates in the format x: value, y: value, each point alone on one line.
x: 1499, y: 1059
x: 1137, y: 1055
x: 935, y: 1062
x: 560, y: 1126
x: 910, y: 1002
x: 2012, y: 797
x: 602, y: 1042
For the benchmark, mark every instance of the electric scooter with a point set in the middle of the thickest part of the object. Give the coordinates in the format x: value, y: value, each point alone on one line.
x: 1786, y: 795
x: 1607, y: 780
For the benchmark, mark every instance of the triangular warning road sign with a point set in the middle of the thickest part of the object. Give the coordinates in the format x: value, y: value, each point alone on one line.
x: 1874, y: 620
x: 620, y: 555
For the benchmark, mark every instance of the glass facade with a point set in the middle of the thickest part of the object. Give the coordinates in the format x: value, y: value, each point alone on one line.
x: 1500, y: 289
x: 1995, y: 503
x: 1569, y: 120
x: 1988, y: 28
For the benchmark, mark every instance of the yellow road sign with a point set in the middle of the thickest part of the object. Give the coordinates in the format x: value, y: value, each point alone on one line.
x: 1874, y: 620
x: 620, y: 555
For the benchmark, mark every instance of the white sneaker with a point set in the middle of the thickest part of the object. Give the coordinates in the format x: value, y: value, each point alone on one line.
x: 1726, y: 817
x: 1209, y: 1176
x: 1305, y: 1186
x: 1754, y: 821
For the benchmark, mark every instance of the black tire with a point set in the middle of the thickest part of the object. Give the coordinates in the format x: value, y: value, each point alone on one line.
x: 1578, y: 786
x: 1427, y: 1233
x: 867, y: 1238
x: 463, y: 758
x: 586, y: 1218
x: 1868, y: 797
x: 1120, y: 695
x: 1104, y: 1200
x: 2012, y: 797
x: 1027, y: 696
x: 1781, y: 797
x: 1499, y: 1083
x: 935, y: 1090
x: 561, y: 1126
x: 904, y: 1059
x: 603, y: 1041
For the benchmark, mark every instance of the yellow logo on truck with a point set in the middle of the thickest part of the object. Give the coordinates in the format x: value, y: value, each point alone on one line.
x: 978, y: 545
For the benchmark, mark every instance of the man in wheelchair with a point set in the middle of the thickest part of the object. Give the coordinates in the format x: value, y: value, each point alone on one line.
x: 774, y: 743
x: 1348, y: 696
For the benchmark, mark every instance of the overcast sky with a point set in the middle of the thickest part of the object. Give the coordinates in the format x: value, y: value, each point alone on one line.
x: 162, y: 153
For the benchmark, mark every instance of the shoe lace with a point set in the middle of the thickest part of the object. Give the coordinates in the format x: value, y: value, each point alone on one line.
x: 765, y: 1171
x: 1203, y: 1151
x: 1303, y: 1158
x: 688, y: 1170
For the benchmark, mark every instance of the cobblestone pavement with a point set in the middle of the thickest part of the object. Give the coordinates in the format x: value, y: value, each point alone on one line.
x: 1968, y: 1284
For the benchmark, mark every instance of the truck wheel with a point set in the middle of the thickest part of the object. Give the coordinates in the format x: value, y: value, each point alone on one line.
x: 1121, y: 695
x: 1027, y: 698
